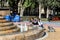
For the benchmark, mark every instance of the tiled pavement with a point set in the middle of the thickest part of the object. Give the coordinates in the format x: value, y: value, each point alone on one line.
x: 52, y: 23
x: 53, y: 35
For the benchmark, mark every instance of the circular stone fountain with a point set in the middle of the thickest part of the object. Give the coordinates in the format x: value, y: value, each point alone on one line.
x: 7, y: 27
x: 9, y: 31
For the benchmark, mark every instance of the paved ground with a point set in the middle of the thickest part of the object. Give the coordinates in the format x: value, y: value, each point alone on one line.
x: 52, y: 23
x: 53, y: 35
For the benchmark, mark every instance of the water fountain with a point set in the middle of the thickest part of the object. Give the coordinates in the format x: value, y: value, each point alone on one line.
x: 7, y: 27
x: 9, y: 31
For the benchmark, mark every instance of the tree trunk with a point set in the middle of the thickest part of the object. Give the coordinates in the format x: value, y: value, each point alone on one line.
x: 22, y: 11
x: 53, y: 11
x: 39, y: 10
x: 7, y: 4
x: 48, y: 12
x: 19, y: 7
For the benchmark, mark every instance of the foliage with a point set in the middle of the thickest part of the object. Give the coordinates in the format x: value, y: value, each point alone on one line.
x: 28, y: 3
x: 53, y: 3
x: 10, y: 2
x: 50, y: 3
x: 33, y: 5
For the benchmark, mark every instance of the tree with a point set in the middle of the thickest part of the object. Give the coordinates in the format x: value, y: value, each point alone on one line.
x: 40, y: 3
x: 49, y: 4
x: 13, y: 4
x: 53, y: 4
x: 25, y: 4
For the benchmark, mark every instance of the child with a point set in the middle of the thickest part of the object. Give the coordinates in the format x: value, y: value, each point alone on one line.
x: 8, y: 17
x: 35, y: 21
x: 40, y: 23
x: 16, y: 18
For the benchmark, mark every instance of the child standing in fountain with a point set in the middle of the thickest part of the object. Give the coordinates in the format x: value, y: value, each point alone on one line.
x: 40, y: 23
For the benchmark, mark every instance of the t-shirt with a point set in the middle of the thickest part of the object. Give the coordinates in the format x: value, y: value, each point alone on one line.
x: 16, y: 18
x: 7, y: 17
x: 40, y: 23
x: 35, y: 22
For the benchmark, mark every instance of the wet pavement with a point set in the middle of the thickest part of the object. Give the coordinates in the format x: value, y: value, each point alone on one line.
x: 52, y: 35
x: 52, y: 23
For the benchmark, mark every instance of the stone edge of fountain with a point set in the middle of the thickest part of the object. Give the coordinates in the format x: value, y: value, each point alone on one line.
x: 42, y: 38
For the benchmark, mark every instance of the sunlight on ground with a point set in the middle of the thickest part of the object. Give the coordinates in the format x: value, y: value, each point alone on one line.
x: 53, y: 35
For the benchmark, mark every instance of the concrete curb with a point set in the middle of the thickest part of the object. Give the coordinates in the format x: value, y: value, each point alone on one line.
x: 43, y: 37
